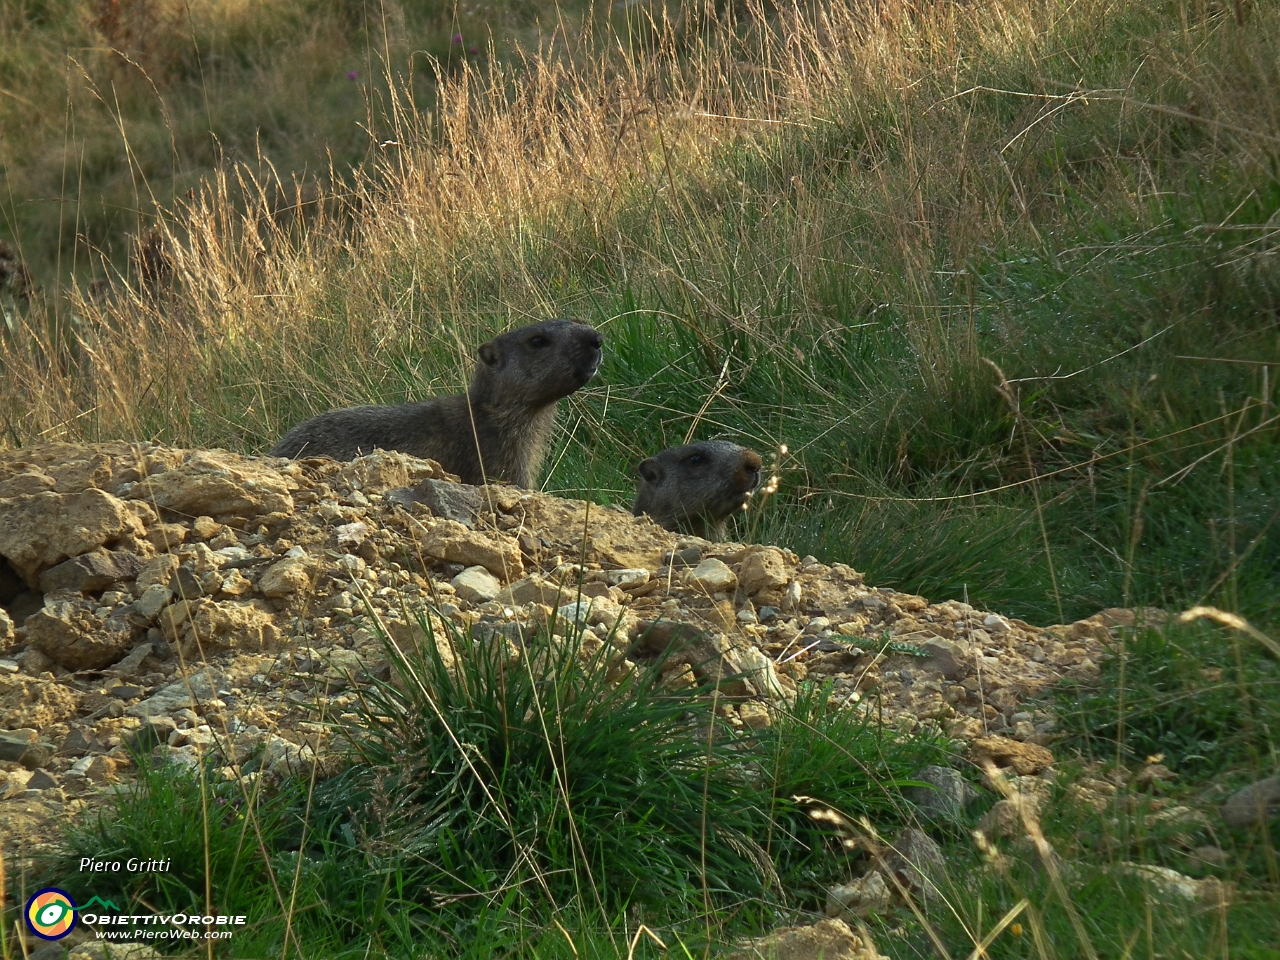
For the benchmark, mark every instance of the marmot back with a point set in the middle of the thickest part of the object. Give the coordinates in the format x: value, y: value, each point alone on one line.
x: 497, y: 430
x: 695, y: 487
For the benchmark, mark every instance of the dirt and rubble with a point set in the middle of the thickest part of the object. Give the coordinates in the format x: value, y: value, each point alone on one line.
x: 182, y: 599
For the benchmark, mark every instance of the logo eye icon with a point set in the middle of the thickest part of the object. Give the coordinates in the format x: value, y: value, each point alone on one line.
x: 51, y: 913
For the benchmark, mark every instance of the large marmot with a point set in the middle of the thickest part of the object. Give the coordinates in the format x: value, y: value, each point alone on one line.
x: 497, y: 430
x: 695, y: 487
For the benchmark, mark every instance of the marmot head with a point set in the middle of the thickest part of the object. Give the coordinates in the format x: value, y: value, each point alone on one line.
x: 537, y: 365
x: 696, y: 484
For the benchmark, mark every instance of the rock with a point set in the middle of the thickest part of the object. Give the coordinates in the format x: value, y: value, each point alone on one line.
x: 204, y: 625
x: 202, y: 684
x: 70, y: 635
x: 829, y: 939
x: 763, y: 574
x: 534, y: 589
x: 34, y: 703
x: 1004, y: 819
x: 946, y: 797
x: 78, y: 743
x: 31, y: 754
x: 755, y: 715
x: 1172, y: 885
x: 92, y: 571
x: 384, y: 470
x: 459, y: 502
x: 1253, y: 804
x: 154, y: 599
x: 14, y: 783
x: 153, y: 732
x: 6, y: 626
x: 287, y: 577
x: 628, y: 579
x: 916, y: 860
x: 475, y: 584
x: 281, y: 758
x: 451, y: 541
x: 215, y: 483
x: 867, y: 895
x: 1024, y: 758
x: 43, y: 529
x: 713, y: 576
x: 42, y: 779
x: 953, y: 660
x: 157, y: 572
x: 1150, y: 775
x: 185, y: 585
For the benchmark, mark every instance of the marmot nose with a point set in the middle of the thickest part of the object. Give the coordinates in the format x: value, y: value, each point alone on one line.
x: 593, y: 339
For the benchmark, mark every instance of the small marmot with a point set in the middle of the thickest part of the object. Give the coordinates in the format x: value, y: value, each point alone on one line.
x: 695, y: 487
x: 498, y: 430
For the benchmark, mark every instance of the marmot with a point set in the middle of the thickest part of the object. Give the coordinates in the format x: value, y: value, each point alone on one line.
x: 497, y: 430
x: 695, y: 487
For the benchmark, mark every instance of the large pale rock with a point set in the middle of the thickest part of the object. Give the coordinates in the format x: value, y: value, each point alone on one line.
x: 946, y: 796
x: 476, y: 584
x: 201, y: 685
x: 952, y: 659
x: 40, y: 530
x: 34, y: 703
x: 451, y: 541
x: 867, y: 895
x: 1252, y: 805
x: 534, y: 589
x: 829, y: 939
x: 69, y: 634
x: 1171, y: 885
x: 916, y: 860
x: 763, y: 574
x: 215, y: 483
x: 6, y: 626
x: 448, y: 501
x: 384, y: 470
x: 287, y: 577
x: 92, y: 571
x: 1024, y: 758
x: 209, y: 626
x: 713, y: 576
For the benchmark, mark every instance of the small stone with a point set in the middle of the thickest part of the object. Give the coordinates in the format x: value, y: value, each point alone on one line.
x: 628, y: 579
x: 947, y: 795
x: 953, y: 660
x: 450, y: 540
x: 287, y: 577
x: 860, y: 899
x: 995, y: 624
x: 763, y: 573
x: 185, y: 585
x: 713, y: 576
x: 153, y: 732
x: 154, y: 599
x: 476, y: 584
x: 1150, y: 775
x: 6, y: 626
x: 829, y: 939
x: 689, y: 556
x: 235, y: 584
x: 755, y: 715
x: 1253, y: 804
x: 127, y: 692
x: 458, y: 502
x: 1024, y: 758
x: 42, y: 780
x: 78, y: 743
x: 91, y: 572
x: 205, y: 528
x: 158, y: 571
x: 916, y: 860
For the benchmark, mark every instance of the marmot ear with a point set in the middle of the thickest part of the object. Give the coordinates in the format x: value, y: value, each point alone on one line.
x: 651, y: 470
x: 489, y: 354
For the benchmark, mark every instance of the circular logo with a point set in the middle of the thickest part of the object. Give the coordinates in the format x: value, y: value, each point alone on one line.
x: 51, y: 913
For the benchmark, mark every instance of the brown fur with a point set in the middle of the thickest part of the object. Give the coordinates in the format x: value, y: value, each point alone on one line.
x: 497, y: 430
x: 694, y: 488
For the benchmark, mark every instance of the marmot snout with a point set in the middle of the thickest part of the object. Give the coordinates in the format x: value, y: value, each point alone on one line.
x: 498, y: 430
x: 696, y: 486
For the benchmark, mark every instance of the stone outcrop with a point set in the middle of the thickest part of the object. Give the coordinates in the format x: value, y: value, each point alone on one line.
x: 198, y: 602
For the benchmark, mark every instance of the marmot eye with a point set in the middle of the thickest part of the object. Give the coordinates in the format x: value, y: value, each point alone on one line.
x: 538, y: 341
x: 694, y: 459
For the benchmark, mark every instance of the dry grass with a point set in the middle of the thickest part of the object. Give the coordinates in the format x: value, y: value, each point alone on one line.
x: 526, y: 183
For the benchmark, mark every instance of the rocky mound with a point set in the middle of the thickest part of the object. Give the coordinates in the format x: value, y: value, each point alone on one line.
x: 182, y: 598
